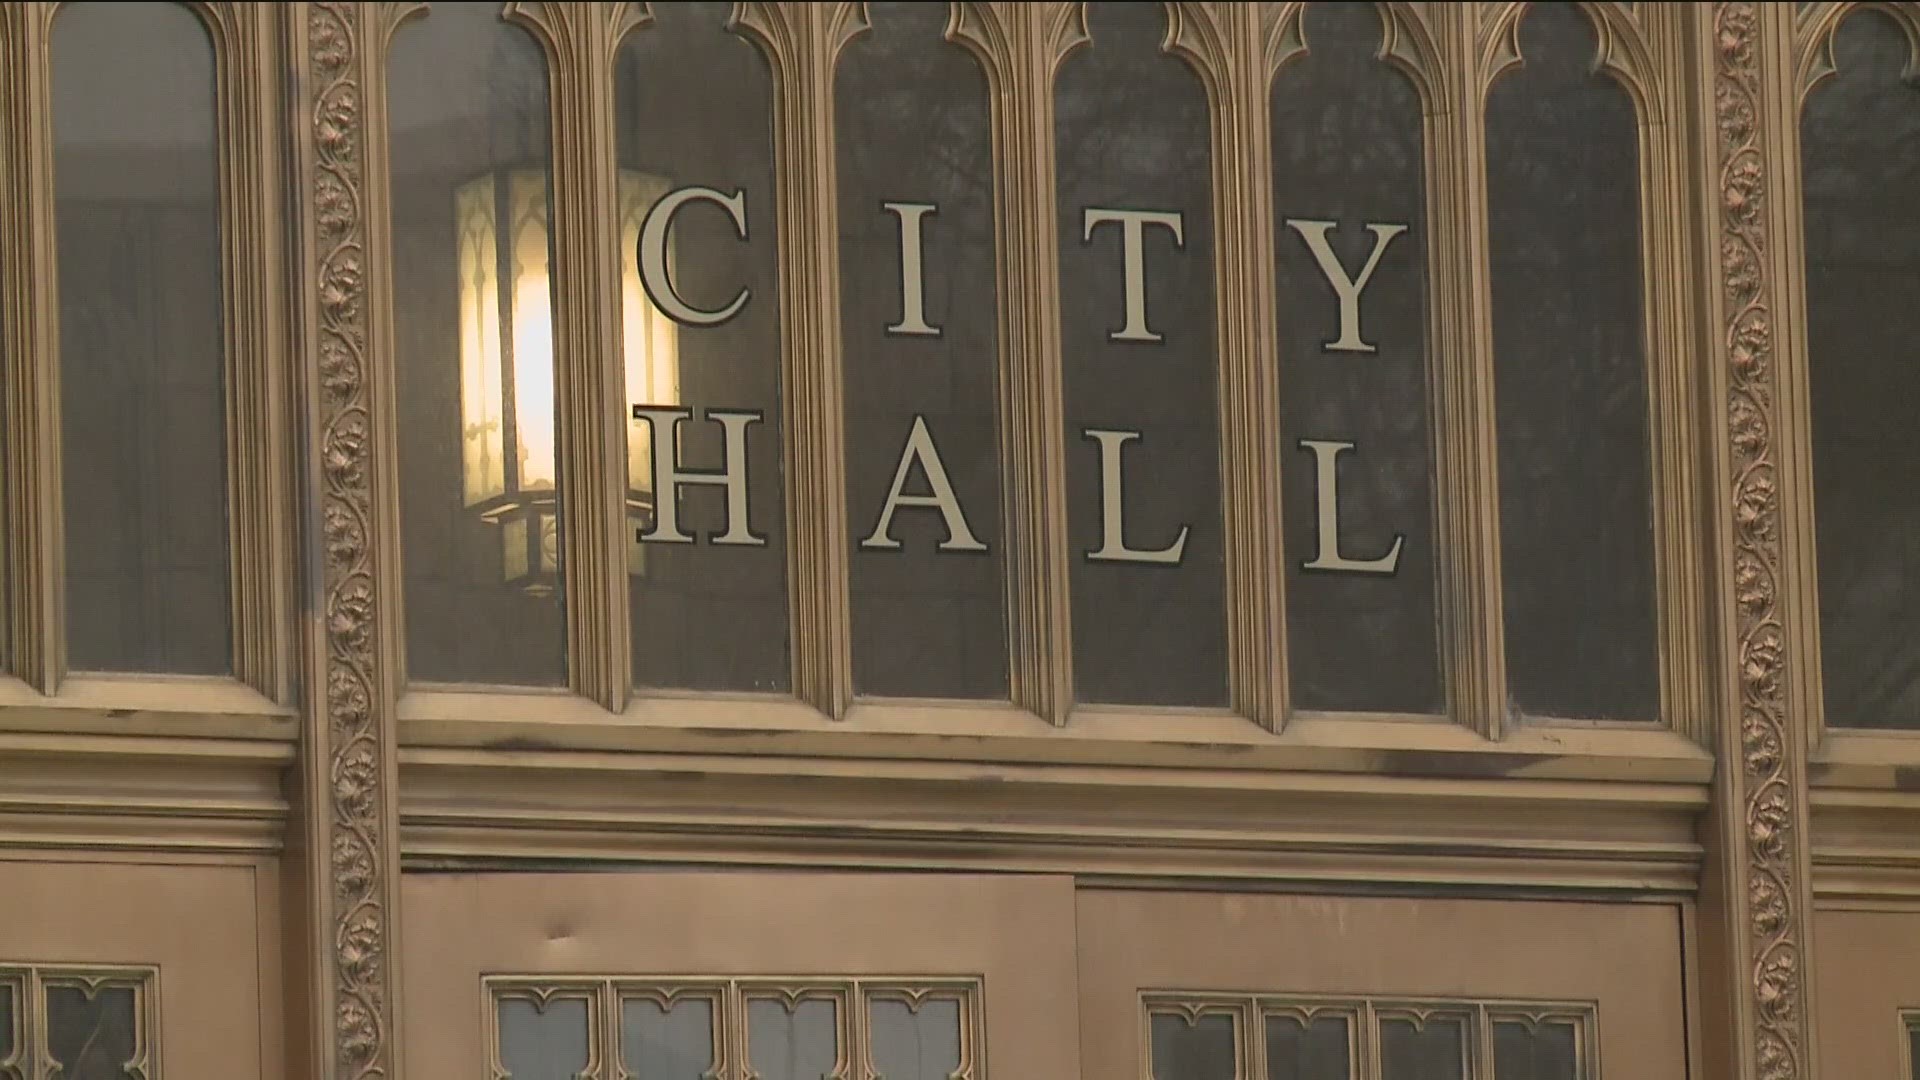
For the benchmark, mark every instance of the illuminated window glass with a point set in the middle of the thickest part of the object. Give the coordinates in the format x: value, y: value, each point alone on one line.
x: 480, y: 506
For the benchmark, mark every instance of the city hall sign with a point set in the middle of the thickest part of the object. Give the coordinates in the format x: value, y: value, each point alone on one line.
x: 920, y: 451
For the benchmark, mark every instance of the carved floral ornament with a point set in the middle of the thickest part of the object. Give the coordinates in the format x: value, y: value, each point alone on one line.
x: 357, y: 833
x: 1767, y: 764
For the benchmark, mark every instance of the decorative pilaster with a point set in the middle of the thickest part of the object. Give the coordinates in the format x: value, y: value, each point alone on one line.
x: 802, y: 42
x: 1021, y: 45
x: 30, y: 351
x: 1227, y: 45
x: 348, y: 835
x: 581, y: 41
x: 1758, y: 888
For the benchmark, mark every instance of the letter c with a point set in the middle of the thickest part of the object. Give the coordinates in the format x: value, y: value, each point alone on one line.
x: 653, y: 255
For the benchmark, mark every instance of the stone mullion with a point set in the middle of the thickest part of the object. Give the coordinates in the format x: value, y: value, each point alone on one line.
x: 1676, y: 427
x: 1226, y: 45
x: 1460, y: 378
x: 1020, y: 46
x: 589, y: 387
x: 29, y: 279
x: 258, y: 454
x: 345, y: 832
x: 802, y: 42
x: 1756, y: 888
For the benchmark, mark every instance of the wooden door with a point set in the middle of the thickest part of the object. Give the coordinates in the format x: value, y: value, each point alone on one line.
x: 1867, y: 984
x: 732, y: 976
x: 154, y: 970
x: 1221, y: 987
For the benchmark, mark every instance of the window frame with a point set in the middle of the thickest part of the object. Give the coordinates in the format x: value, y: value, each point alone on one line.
x: 262, y: 504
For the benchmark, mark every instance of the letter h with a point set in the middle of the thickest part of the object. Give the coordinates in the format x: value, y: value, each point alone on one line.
x: 668, y: 476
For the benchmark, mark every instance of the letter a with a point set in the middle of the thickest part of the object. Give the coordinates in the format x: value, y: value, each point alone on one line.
x: 920, y: 449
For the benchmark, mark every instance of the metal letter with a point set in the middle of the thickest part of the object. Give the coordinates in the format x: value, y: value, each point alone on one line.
x: 668, y: 476
x: 1132, y: 228
x: 1327, y: 496
x: 920, y: 448
x: 1113, y: 546
x: 653, y: 255
x: 913, y: 288
x: 1344, y: 287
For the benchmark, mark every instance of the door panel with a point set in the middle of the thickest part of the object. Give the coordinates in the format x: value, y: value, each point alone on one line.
x: 1868, y: 985
x: 792, y: 975
x: 116, y: 969
x: 1220, y: 987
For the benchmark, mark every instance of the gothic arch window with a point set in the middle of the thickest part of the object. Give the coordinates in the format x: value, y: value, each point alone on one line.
x: 1580, y: 587
x: 481, y: 513
x: 918, y: 309
x: 1860, y: 167
x: 137, y: 205
x: 709, y: 612
x: 1349, y: 162
x: 1134, y: 161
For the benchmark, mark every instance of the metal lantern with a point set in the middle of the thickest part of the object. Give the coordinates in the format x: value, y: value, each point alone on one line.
x: 507, y: 425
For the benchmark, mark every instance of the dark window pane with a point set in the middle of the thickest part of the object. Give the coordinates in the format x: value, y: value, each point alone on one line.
x: 142, y: 350
x: 91, y: 1036
x: 1576, y: 511
x: 1203, y: 1050
x: 9, y: 1020
x: 1433, y: 1050
x: 1348, y: 161
x: 1547, y: 1051
x: 473, y: 320
x: 1149, y: 623
x: 915, y: 1044
x: 1322, y: 1050
x: 1860, y: 144
x: 694, y: 114
x: 667, y: 1044
x: 551, y: 1043
x: 929, y: 608
x: 798, y: 1044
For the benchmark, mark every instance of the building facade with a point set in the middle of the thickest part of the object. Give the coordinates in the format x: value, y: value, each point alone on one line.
x: 772, y: 540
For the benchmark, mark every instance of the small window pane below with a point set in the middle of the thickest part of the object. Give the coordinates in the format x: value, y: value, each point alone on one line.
x: 1203, y: 1050
x: 801, y: 1044
x: 9, y: 1001
x: 1321, y: 1050
x: 911, y: 1044
x: 1547, y: 1051
x: 91, y: 1037
x: 672, y: 1043
x: 1433, y: 1050
x: 543, y: 1044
